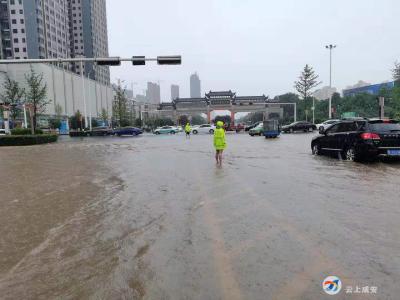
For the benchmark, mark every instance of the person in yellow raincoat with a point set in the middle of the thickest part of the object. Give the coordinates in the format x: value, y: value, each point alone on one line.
x: 188, y: 129
x: 219, y: 142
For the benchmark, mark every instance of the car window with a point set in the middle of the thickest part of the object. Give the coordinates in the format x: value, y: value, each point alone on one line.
x: 333, y: 129
x: 346, y: 127
x: 385, y: 126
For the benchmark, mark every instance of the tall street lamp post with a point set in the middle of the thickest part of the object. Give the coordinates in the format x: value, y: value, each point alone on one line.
x: 330, y: 48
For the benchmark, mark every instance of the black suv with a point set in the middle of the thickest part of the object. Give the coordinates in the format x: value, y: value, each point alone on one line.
x: 359, y: 140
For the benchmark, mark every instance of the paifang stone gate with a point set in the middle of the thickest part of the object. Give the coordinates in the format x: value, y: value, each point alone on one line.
x: 224, y: 100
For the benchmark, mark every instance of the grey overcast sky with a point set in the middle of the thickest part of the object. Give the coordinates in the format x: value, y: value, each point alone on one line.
x: 257, y: 46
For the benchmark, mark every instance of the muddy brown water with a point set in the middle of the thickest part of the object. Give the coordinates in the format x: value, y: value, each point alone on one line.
x: 153, y: 218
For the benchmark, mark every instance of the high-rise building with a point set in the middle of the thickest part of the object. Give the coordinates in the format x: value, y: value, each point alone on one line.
x: 34, y: 29
x: 56, y: 29
x: 153, y: 93
x: 195, y: 86
x: 174, y: 91
x: 88, y: 29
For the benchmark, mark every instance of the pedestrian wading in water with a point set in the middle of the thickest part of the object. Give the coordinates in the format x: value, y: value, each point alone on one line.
x: 219, y: 142
x: 188, y: 129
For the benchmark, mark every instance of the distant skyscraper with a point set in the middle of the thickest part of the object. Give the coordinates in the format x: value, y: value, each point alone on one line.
x: 88, y: 27
x: 195, y: 86
x: 153, y: 94
x: 174, y: 91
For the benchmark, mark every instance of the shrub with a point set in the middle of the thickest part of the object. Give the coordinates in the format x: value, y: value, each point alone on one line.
x: 25, y: 131
x: 27, y: 140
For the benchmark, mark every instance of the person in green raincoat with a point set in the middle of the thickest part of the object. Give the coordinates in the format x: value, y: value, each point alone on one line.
x: 219, y: 142
x: 188, y: 129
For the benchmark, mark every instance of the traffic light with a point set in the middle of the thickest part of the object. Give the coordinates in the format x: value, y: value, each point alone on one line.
x: 169, y: 60
x: 109, y: 61
x: 138, y: 60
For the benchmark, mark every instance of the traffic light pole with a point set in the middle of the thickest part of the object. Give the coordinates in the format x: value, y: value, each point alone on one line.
x: 100, y: 61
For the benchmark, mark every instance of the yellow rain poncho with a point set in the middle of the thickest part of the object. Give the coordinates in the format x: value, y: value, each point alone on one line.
x: 187, y: 128
x: 219, y: 137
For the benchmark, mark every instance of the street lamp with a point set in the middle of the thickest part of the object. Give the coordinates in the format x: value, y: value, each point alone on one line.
x: 330, y: 48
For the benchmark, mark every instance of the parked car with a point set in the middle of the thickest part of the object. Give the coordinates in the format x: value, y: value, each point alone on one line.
x: 166, y: 129
x: 232, y: 127
x: 299, y: 126
x: 2, y: 132
x: 101, y: 131
x: 179, y: 128
x: 247, y: 128
x: 127, y: 131
x: 204, y: 128
x: 258, y: 130
x: 326, y: 124
x: 358, y: 140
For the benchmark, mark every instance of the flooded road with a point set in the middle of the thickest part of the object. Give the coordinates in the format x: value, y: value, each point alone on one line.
x: 153, y: 218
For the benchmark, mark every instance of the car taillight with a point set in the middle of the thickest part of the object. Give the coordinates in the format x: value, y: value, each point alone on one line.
x: 370, y: 136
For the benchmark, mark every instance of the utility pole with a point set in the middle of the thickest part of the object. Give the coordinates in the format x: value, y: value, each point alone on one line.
x: 330, y: 48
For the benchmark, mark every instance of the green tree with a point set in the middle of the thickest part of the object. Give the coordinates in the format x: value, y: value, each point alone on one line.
x: 120, y: 105
x: 77, y: 121
x: 198, y: 120
x: 138, y: 123
x: 36, y: 94
x: 13, y: 95
x: 396, y: 72
x: 183, y: 120
x: 104, y: 115
x: 308, y: 80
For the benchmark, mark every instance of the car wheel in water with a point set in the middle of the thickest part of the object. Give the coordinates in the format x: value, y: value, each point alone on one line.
x: 195, y: 132
x: 172, y: 132
x: 211, y: 131
x: 310, y: 129
x: 157, y: 133
x: 350, y: 154
x: 291, y: 130
x: 316, y: 149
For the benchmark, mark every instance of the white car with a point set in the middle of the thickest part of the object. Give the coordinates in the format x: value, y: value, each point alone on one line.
x: 326, y: 124
x: 2, y: 132
x: 205, y: 128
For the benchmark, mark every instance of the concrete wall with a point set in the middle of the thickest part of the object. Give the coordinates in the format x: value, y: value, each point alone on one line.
x: 66, y: 89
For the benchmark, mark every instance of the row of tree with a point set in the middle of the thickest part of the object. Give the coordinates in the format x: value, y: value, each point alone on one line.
x: 34, y: 96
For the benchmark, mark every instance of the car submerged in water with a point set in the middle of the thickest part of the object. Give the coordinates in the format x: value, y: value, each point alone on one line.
x: 299, y: 126
x: 166, y: 130
x: 359, y: 140
x: 127, y: 131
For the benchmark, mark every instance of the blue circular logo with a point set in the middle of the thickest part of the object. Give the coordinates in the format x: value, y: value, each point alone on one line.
x: 332, y: 285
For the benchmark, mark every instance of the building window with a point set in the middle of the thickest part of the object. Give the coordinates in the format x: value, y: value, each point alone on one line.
x: 16, y: 50
x: 22, y: 30
x: 22, y: 21
x: 13, y: 11
x: 15, y: 30
x: 21, y: 11
x: 24, y: 49
x: 15, y: 40
x: 13, y: 21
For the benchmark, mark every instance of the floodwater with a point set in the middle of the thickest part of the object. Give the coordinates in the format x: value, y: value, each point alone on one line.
x: 152, y: 217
